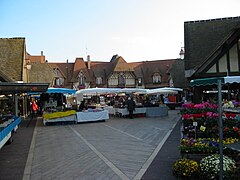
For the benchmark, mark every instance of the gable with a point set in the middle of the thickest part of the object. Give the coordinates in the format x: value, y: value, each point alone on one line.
x: 120, y: 65
x: 80, y: 66
x: 65, y: 70
x: 203, y: 37
x: 224, y: 60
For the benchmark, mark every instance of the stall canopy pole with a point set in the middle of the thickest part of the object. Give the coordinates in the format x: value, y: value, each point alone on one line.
x: 220, y: 128
x: 16, y: 104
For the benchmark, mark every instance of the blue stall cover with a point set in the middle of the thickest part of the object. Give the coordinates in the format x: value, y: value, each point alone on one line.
x: 61, y: 90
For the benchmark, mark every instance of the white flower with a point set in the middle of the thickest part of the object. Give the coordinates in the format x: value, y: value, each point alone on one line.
x: 210, y: 165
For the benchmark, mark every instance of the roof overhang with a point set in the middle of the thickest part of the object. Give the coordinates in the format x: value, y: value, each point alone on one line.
x: 214, y: 81
x: 13, y: 88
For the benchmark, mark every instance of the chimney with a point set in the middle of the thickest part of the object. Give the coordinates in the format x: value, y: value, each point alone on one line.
x: 67, y: 72
x: 89, y: 62
x: 42, y: 58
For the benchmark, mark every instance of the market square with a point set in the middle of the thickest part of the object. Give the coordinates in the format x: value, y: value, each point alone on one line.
x: 120, y: 90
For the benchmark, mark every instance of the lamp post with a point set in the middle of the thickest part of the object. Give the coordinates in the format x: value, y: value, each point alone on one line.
x: 28, y: 68
x: 181, y: 53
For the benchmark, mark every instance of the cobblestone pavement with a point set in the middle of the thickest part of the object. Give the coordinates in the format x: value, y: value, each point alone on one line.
x: 118, y: 148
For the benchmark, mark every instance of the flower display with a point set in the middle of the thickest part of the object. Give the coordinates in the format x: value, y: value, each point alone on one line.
x: 207, y: 122
x: 203, y: 145
x: 228, y: 104
x: 185, y: 168
x: 210, y: 167
x: 200, y: 136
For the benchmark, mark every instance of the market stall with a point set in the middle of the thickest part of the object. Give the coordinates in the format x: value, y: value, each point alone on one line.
x: 55, y: 106
x: 124, y: 112
x: 9, y: 107
x: 117, y: 105
x: 92, y: 115
x: 172, y: 96
x: 219, y: 81
x: 156, y: 111
x: 7, y: 128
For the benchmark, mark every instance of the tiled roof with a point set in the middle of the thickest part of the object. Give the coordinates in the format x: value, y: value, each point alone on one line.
x: 65, y: 69
x: 177, y: 73
x: 41, y: 72
x: 119, y: 65
x: 80, y: 66
x: 100, y: 69
x: 161, y: 66
x: 203, y: 37
x: 11, y: 58
x: 144, y: 69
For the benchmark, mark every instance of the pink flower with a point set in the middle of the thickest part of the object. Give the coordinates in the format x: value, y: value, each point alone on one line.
x: 215, y: 115
x: 188, y: 105
x: 200, y: 106
x: 186, y: 116
x: 209, y: 114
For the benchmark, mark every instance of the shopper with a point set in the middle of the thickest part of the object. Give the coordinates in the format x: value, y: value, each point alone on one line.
x: 82, y: 106
x: 130, y: 103
x: 34, y: 108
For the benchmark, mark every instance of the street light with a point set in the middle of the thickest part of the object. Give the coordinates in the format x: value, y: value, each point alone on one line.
x: 181, y: 53
x: 28, y: 68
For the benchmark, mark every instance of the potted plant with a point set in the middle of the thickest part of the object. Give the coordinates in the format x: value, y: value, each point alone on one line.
x: 185, y: 168
x: 210, y: 167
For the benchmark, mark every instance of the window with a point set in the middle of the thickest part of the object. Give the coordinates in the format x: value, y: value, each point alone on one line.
x: 157, y: 78
x: 171, y: 83
x: 139, y: 81
x: 121, y: 79
x: 99, y: 80
x: 57, y: 82
x: 81, y: 79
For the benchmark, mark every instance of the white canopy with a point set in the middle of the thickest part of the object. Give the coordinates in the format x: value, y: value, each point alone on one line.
x: 161, y: 91
x: 97, y: 91
x: 173, y: 89
x: 133, y: 90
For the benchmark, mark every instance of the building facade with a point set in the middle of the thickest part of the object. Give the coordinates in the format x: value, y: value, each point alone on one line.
x: 212, y: 49
x: 118, y: 73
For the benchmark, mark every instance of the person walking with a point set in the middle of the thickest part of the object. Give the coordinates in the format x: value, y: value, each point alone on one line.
x: 130, y: 106
x: 34, y: 108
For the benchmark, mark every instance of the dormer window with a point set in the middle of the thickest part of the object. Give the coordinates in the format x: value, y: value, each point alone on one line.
x: 121, y: 79
x: 139, y: 81
x: 81, y: 79
x: 56, y: 71
x: 157, y: 78
x: 99, y: 80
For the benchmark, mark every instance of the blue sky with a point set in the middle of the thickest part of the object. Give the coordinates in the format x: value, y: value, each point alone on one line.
x: 137, y: 30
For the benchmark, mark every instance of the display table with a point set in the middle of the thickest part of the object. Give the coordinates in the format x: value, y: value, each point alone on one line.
x: 92, y: 116
x: 7, y: 128
x: 111, y: 110
x: 231, y: 110
x: 124, y: 111
x: 71, y: 118
x: 156, y: 111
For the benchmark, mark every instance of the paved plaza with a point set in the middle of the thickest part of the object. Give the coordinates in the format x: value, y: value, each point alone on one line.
x: 118, y: 148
